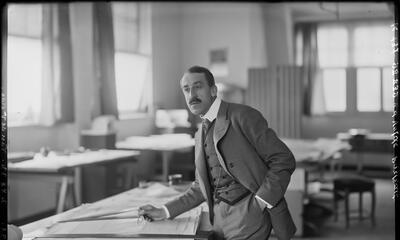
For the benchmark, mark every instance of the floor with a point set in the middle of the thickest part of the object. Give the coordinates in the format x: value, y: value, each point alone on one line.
x: 385, y: 217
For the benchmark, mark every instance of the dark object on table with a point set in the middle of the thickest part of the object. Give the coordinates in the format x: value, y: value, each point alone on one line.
x: 14, y: 157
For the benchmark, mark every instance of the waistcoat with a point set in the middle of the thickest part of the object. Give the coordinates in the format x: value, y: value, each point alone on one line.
x: 224, y: 187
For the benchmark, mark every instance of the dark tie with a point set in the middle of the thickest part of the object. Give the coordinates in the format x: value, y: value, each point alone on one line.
x: 206, y: 124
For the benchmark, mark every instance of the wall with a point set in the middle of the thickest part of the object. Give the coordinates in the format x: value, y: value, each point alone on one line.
x: 329, y: 126
x: 235, y: 26
x: 167, y: 53
x: 278, y: 33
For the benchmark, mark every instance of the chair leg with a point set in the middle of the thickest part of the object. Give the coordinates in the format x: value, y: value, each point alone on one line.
x: 335, y: 206
x: 373, y: 199
x: 346, y: 206
x: 360, y: 207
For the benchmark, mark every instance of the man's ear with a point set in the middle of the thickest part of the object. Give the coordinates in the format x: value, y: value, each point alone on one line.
x: 214, y: 91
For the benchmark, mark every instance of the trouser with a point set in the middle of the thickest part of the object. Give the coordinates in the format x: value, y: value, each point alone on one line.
x: 243, y: 220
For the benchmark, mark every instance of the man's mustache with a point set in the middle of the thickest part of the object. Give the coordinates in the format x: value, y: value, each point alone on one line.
x: 194, y: 100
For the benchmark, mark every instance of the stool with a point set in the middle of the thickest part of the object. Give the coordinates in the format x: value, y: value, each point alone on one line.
x: 343, y: 187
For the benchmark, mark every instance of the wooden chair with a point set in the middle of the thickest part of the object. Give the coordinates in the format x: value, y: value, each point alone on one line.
x: 344, y: 186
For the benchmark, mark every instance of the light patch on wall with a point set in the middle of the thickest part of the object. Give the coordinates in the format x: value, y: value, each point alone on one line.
x: 219, y: 62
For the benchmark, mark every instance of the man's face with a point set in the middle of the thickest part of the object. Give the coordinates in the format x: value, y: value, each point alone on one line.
x: 198, y: 94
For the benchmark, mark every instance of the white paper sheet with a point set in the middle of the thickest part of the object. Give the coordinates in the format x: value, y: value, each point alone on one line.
x: 184, y: 224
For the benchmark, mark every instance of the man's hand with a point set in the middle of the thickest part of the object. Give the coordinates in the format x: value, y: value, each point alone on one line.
x: 151, y: 213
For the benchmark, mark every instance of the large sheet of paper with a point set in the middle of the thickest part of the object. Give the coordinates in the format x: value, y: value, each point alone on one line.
x: 125, y: 206
x: 184, y: 224
x: 55, y: 162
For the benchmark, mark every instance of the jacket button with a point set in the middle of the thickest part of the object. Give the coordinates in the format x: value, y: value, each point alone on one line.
x: 205, y: 144
x: 231, y: 165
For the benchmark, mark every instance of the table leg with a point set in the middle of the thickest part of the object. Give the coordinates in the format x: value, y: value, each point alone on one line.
x: 78, y: 185
x: 128, y: 176
x: 62, y: 194
x: 166, y: 156
x: 360, y: 163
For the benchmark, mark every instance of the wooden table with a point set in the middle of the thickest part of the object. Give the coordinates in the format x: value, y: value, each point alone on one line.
x: 167, y: 144
x: 368, y: 143
x: 310, y: 155
x: 66, y: 169
x: 133, y: 196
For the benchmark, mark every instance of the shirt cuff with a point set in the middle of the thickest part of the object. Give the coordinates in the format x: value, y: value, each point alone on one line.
x: 269, y: 206
x: 166, y: 211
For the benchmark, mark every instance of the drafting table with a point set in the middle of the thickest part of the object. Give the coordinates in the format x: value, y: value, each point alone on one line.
x: 66, y: 169
x: 165, y: 143
x: 156, y: 194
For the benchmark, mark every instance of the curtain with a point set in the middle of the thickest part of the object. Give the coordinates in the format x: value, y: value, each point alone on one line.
x: 276, y: 93
x: 318, y: 105
x: 105, y: 94
x: 307, y: 56
x: 57, y: 88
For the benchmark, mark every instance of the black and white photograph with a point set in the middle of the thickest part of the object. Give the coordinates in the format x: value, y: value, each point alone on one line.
x: 208, y: 120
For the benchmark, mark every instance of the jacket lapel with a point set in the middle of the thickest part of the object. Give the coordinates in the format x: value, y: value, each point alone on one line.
x: 201, y: 165
x: 221, y: 127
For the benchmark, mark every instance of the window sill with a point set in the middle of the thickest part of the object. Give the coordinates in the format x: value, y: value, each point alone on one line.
x: 36, y: 125
x: 353, y: 114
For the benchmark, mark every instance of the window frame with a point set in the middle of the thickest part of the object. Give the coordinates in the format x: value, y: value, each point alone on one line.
x: 148, y: 82
x: 136, y: 113
x: 351, y: 93
x: 351, y: 71
x: 30, y: 37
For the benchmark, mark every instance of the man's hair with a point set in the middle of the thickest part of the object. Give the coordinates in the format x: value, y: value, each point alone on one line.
x: 205, y: 71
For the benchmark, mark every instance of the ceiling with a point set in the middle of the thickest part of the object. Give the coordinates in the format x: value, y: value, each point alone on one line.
x: 309, y: 11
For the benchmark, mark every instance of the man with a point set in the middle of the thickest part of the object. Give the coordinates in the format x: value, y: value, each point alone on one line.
x: 242, y: 168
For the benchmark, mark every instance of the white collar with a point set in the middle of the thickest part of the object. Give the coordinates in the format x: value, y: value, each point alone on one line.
x: 213, y: 110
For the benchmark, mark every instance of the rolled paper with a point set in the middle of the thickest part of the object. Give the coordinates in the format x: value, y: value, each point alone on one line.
x: 14, y: 232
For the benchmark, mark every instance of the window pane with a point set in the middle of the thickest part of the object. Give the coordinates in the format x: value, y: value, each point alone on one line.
x: 24, y: 74
x: 25, y: 20
x: 372, y: 46
x: 334, y: 85
x: 332, y: 46
x: 131, y: 74
x: 388, y: 90
x: 368, y: 90
x: 126, y: 26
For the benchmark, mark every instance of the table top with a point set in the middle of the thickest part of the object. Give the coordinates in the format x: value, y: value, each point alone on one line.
x: 163, y: 142
x: 315, y: 150
x: 372, y: 136
x: 56, y: 163
x: 154, y: 193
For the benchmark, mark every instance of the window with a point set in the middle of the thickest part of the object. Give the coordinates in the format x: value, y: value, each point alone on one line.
x: 132, y: 39
x: 24, y: 64
x: 368, y: 90
x: 332, y: 46
x: 387, y: 88
x: 355, y: 59
x: 334, y: 85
